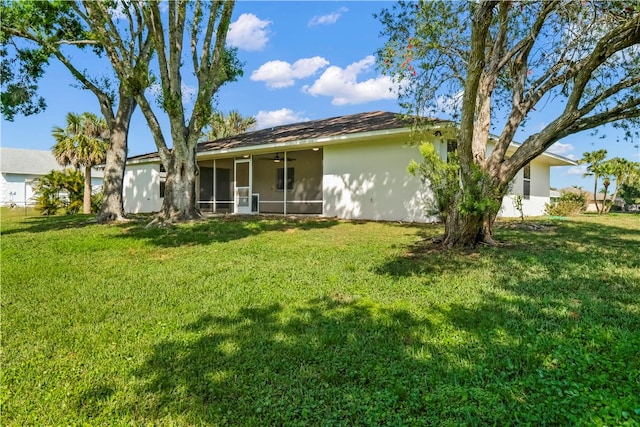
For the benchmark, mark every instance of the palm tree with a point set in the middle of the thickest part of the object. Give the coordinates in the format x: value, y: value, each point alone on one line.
x: 607, y: 170
x: 594, y: 159
x: 222, y: 126
x: 623, y: 171
x: 84, y: 142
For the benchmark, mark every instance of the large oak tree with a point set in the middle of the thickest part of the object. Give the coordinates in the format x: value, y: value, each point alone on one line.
x: 33, y: 32
x: 507, y: 59
x: 189, y: 38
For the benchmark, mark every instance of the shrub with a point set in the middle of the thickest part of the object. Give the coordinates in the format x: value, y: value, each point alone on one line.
x: 442, y: 177
x: 568, y: 204
x: 59, y: 189
x: 96, y: 202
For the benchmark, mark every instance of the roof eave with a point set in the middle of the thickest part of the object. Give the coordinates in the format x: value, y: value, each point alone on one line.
x: 299, y: 144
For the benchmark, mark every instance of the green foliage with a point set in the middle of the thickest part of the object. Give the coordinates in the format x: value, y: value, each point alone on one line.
x: 568, y: 204
x: 317, y: 322
x: 443, y: 179
x: 83, y: 142
x: 476, y: 61
x: 480, y: 197
x: 517, y: 203
x: 630, y: 193
x: 44, y: 24
x: 622, y: 170
x: 60, y: 190
x: 96, y: 202
x: 441, y: 176
x: 224, y: 125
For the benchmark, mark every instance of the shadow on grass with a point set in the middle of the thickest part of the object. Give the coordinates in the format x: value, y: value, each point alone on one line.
x: 41, y: 224
x: 202, y: 232
x: 341, y: 360
x: 559, y: 245
x: 219, y: 230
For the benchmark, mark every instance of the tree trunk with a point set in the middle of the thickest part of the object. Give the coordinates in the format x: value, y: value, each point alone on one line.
x: 595, y: 198
x: 470, y: 223
x: 180, y: 189
x: 605, y: 208
x: 86, y: 201
x: 468, y: 230
x: 112, y: 208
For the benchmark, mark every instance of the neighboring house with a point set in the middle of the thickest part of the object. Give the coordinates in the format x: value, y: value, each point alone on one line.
x: 20, y: 168
x: 352, y: 167
x: 588, y: 195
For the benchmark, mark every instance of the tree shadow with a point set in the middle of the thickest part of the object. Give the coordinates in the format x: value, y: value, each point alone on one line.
x: 552, y: 247
x: 550, y: 293
x: 335, y: 360
x: 219, y: 230
x: 204, y: 231
x: 343, y: 360
x: 41, y: 224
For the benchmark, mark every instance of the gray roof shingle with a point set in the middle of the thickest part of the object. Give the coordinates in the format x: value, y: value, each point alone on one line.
x: 334, y: 126
x: 27, y: 162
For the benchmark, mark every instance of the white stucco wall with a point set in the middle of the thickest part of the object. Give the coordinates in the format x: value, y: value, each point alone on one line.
x: 142, y: 188
x: 17, y: 189
x: 540, y: 188
x: 370, y: 181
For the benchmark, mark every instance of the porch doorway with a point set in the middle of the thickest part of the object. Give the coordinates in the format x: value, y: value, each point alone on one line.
x: 243, y: 186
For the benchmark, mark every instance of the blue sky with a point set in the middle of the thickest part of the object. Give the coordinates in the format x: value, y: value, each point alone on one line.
x: 302, y: 61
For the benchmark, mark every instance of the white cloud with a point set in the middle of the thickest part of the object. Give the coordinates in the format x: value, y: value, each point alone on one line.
x: 577, y: 170
x: 343, y: 85
x: 249, y: 32
x: 279, y: 74
x: 283, y: 116
x: 329, y: 19
x: 560, y: 148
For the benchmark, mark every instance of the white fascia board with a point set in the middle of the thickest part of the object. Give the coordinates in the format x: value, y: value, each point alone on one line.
x: 552, y: 159
x: 142, y: 161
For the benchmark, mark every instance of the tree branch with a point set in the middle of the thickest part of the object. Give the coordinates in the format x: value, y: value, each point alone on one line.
x: 619, y: 38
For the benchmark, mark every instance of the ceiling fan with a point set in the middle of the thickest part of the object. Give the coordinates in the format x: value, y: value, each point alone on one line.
x: 278, y: 159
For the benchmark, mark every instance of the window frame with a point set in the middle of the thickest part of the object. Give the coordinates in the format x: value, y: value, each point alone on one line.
x: 280, y: 178
x: 526, y: 182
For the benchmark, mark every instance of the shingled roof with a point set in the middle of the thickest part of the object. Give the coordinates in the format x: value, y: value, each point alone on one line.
x: 324, y: 128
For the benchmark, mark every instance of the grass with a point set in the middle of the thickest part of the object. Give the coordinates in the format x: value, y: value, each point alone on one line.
x: 265, y: 321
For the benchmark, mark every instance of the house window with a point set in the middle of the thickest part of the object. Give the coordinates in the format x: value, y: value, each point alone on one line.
x: 163, y: 180
x: 452, y: 147
x: 280, y: 179
x: 526, y: 183
x: 163, y: 185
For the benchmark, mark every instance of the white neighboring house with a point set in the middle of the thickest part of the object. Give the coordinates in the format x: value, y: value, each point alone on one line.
x: 19, y: 168
x: 351, y: 167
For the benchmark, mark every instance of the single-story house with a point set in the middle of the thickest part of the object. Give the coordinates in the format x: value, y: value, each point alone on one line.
x: 20, y: 168
x: 588, y: 195
x: 351, y: 167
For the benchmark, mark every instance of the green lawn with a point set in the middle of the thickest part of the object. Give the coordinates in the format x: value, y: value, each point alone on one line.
x: 317, y: 322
